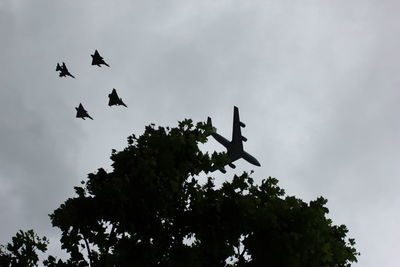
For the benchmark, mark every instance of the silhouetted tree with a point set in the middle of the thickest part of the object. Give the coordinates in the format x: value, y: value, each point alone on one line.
x: 151, y: 211
x: 22, y: 252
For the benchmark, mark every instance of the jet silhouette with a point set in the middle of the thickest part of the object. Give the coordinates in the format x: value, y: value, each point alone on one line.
x: 98, y: 60
x: 114, y: 99
x: 63, y: 70
x: 234, y: 148
x: 82, y: 113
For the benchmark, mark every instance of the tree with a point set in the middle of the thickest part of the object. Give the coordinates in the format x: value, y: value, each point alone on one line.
x: 22, y: 252
x: 151, y: 211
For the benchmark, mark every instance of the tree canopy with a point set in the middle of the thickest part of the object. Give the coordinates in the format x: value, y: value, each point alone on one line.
x: 22, y: 252
x: 151, y: 210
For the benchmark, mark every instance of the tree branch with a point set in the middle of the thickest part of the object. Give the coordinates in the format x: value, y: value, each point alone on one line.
x: 88, y: 250
x: 111, y: 237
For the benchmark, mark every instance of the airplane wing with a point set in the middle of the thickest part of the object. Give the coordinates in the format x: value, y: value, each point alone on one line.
x: 111, y: 100
x: 237, y: 138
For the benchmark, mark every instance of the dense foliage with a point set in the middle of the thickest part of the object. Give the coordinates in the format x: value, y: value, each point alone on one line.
x: 152, y: 211
x: 22, y: 252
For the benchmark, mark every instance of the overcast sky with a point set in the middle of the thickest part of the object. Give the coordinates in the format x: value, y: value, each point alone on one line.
x: 316, y: 82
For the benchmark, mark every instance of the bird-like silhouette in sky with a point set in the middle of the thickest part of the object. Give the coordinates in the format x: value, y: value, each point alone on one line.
x: 63, y: 70
x: 82, y: 113
x: 98, y: 60
x: 114, y: 99
x: 234, y: 147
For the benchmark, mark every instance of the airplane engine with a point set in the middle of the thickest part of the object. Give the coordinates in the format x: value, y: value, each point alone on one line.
x: 222, y: 170
x: 232, y: 165
x: 242, y: 124
x: 244, y: 139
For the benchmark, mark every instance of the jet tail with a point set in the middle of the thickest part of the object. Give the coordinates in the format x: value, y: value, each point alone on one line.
x: 209, y: 122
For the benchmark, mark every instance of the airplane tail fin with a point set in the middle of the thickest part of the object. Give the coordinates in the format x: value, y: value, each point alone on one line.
x: 209, y: 122
x: 106, y: 64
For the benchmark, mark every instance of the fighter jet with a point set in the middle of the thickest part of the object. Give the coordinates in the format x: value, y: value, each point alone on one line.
x: 234, y: 147
x: 63, y: 70
x: 98, y: 60
x: 114, y: 99
x: 82, y: 113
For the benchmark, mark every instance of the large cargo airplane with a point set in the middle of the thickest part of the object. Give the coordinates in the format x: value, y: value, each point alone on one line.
x: 234, y: 147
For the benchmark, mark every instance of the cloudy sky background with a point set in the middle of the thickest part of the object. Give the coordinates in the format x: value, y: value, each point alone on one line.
x: 317, y: 83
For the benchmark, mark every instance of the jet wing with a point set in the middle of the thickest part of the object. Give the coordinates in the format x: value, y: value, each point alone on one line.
x: 79, y: 113
x: 112, y: 101
x: 237, y: 138
x: 113, y: 98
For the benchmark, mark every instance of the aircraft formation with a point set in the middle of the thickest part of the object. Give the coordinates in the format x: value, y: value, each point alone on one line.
x: 234, y: 147
x: 97, y: 60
